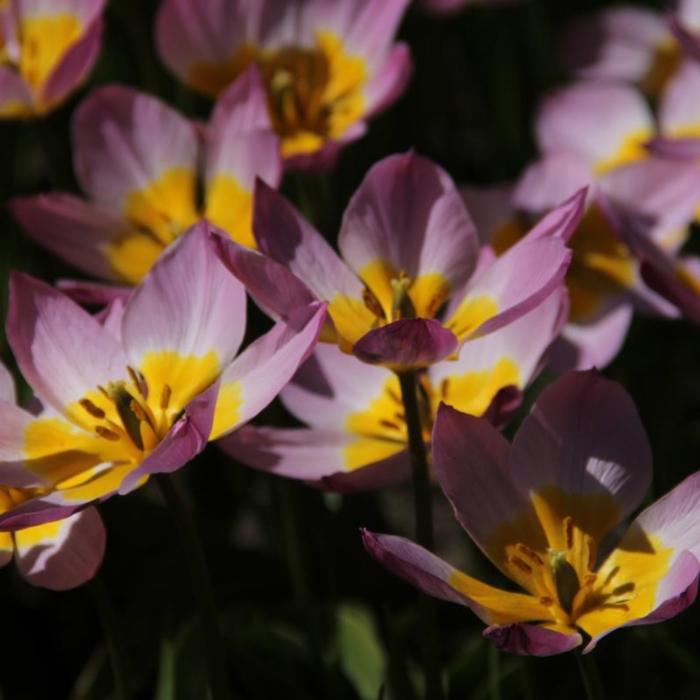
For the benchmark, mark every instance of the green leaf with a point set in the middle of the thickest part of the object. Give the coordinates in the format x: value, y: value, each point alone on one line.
x: 361, y: 653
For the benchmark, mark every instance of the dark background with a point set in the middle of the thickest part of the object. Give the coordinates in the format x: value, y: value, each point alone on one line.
x: 284, y: 558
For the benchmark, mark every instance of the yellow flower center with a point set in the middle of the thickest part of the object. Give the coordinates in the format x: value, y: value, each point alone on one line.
x: 565, y: 580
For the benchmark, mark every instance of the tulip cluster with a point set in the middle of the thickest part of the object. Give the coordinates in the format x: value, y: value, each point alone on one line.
x: 440, y: 316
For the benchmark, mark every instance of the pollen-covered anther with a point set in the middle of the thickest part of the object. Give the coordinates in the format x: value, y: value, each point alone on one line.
x: 94, y: 411
x: 372, y: 303
x: 107, y: 434
x: 165, y: 396
x: 139, y: 381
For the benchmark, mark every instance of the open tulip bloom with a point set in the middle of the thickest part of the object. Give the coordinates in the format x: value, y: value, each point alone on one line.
x: 58, y: 555
x: 47, y: 50
x: 328, y: 66
x: 140, y: 164
x: 543, y: 509
x: 357, y: 434
x: 142, y: 392
x: 409, y: 249
x: 604, y: 279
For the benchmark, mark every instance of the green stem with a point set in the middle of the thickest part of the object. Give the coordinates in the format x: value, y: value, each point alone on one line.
x: 102, y: 602
x: 494, y: 673
x: 422, y: 503
x: 201, y: 585
x: 590, y: 677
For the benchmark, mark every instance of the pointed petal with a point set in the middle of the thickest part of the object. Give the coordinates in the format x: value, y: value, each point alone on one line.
x: 71, y: 228
x: 265, y: 367
x: 437, y: 578
x: 63, y: 554
x: 583, y: 444
x: 240, y: 147
x: 532, y: 640
x: 406, y: 344
x: 189, y: 305
x: 407, y: 216
x: 273, y: 287
x: 679, y: 108
x: 62, y: 350
x: 74, y: 66
x: 470, y: 459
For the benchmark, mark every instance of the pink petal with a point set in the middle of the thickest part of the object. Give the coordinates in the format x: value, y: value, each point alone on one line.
x: 406, y: 344
x: 75, y: 65
x: 65, y: 560
x: 531, y: 640
x: 569, y: 120
x: 390, y: 80
x: 584, y: 436
x: 330, y: 386
x: 407, y: 212
x: 62, y: 350
x: 284, y: 235
x: 189, y: 302
x: 266, y: 365
x: 71, y: 228
x: 124, y: 140
x: 7, y: 385
x: 314, y: 456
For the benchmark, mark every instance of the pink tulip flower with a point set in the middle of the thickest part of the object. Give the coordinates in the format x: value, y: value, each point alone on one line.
x: 541, y: 510
x: 328, y: 66
x: 141, y: 390
x: 140, y: 164
x: 409, y: 249
x: 48, y: 49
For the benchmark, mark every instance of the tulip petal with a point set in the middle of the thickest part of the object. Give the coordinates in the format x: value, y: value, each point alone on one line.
x: 679, y: 108
x: 407, y: 216
x: 470, y: 459
x: 189, y: 310
x: 16, y: 100
x: 319, y: 457
x: 583, y: 449
x: 283, y: 234
x: 71, y: 228
x: 532, y: 640
x: 240, y: 146
x: 507, y: 357
x: 594, y: 343
x: 406, y: 344
x: 74, y: 66
x: 63, y: 351
x: 63, y: 554
x: 256, y: 376
x: 390, y: 80
x: 437, y: 578
x: 332, y: 385
x: 152, y: 155
x: 569, y: 120
x: 273, y: 287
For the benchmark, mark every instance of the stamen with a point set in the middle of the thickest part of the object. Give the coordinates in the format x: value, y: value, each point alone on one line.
x: 546, y: 600
x: 525, y: 568
x: 394, y: 396
x: 165, y: 396
x: 139, y: 381
x: 137, y: 410
x: 624, y: 588
x: 590, y: 543
x: 372, y: 303
x: 613, y: 572
x: 106, y: 433
x: 445, y: 387
x: 131, y: 420
x: 389, y: 424
x: 402, y: 305
x: 530, y: 554
x: 569, y: 531
x: 93, y: 410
